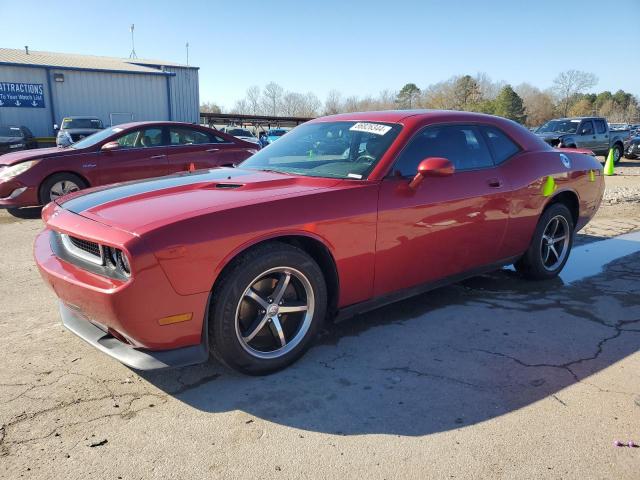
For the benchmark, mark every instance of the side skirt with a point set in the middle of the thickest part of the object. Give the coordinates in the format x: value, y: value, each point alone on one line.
x: 377, y: 302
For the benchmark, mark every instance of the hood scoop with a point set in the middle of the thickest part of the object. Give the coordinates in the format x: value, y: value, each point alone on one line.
x: 227, y: 185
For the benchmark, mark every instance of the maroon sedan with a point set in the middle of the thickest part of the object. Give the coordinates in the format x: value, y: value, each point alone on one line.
x: 341, y: 215
x: 130, y: 151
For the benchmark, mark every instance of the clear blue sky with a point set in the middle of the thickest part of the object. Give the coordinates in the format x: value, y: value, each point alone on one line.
x: 357, y: 47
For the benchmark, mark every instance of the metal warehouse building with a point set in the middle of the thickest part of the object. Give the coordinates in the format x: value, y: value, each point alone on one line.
x: 38, y: 89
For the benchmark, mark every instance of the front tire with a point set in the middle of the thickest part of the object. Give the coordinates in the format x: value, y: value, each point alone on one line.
x: 550, y: 246
x: 618, y: 152
x: 58, y: 185
x: 267, y: 309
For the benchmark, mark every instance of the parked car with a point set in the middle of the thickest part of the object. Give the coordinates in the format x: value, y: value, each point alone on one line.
x: 242, y: 133
x: 591, y: 133
x: 126, y: 152
x: 272, y: 135
x: 632, y: 147
x: 248, y: 262
x: 13, y: 138
x: 74, y: 129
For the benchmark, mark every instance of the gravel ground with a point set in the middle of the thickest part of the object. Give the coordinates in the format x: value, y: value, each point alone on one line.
x: 494, y: 377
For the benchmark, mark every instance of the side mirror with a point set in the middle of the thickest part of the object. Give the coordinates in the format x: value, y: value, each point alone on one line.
x: 110, y: 146
x: 432, y: 167
x: 56, y: 127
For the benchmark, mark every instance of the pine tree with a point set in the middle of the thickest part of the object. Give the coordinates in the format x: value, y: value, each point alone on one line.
x: 408, y: 95
x: 508, y: 104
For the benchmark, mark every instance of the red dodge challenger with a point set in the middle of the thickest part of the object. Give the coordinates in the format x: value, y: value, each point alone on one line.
x: 343, y: 214
x: 125, y: 152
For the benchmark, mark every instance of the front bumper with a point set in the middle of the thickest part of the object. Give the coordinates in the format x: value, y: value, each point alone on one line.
x: 122, y: 318
x: 139, y: 359
x: 14, y: 194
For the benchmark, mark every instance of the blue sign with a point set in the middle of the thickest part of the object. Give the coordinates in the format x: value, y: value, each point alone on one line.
x: 21, y: 95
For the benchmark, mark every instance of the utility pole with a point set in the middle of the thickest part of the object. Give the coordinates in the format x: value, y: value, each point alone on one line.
x: 187, y: 47
x: 133, y: 45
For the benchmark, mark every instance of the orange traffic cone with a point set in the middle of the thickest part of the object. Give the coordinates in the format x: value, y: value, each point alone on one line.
x: 192, y: 167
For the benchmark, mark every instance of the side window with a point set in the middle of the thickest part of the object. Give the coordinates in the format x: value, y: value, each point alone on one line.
x: 463, y: 145
x: 586, y: 128
x: 149, y: 137
x: 188, y: 136
x: 503, y: 147
x: 600, y: 126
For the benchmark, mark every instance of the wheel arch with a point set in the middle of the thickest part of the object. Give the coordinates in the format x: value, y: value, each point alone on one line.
x: 570, y: 199
x: 71, y: 172
x: 315, y: 246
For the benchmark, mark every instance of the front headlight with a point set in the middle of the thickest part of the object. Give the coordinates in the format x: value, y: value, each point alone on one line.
x: 118, y: 260
x: 15, y: 170
x: 16, y: 145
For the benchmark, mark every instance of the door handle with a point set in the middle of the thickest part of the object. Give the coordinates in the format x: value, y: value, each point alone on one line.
x: 156, y: 157
x: 494, y: 182
x: 213, y: 150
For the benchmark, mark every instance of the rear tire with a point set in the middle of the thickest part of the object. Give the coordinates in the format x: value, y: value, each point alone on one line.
x: 550, y: 246
x: 267, y: 309
x: 58, y: 185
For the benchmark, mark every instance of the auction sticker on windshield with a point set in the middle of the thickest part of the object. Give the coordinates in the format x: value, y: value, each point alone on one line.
x: 370, y: 128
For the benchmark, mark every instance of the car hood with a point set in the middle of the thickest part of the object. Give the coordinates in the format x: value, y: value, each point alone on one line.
x: 81, y: 131
x: 249, y: 139
x: 551, y: 135
x: 140, y: 206
x: 11, y: 140
x: 24, y: 155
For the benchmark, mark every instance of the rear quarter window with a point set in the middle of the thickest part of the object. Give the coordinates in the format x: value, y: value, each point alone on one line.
x: 501, y: 145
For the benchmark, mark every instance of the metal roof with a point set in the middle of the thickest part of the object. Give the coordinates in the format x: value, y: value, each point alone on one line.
x: 74, y: 61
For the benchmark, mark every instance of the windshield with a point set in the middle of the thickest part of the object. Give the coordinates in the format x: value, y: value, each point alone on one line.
x: 240, y: 132
x: 276, y: 133
x: 96, y: 138
x: 559, y: 126
x: 69, y: 123
x: 327, y: 149
x: 10, y: 132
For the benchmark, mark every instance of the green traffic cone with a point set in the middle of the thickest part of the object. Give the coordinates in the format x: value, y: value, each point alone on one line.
x: 549, y: 186
x: 608, y: 165
x: 592, y: 176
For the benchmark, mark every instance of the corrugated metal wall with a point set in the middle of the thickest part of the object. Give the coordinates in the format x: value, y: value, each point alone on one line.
x: 101, y: 94
x: 38, y: 120
x: 185, y: 101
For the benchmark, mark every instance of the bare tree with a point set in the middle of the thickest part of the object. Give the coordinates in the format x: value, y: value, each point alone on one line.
x: 488, y: 88
x: 538, y: 105
x: 253, y: 99
x: 241, y: 107
x: 291, y: 104
x: 210, y: 107
x: 570, y: 83
x: 440, y: 95
x: 333, y: 103
x: 272, y: 97
x: 310, y: 105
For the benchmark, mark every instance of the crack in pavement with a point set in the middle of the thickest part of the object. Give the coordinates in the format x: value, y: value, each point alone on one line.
x: 434, y: 375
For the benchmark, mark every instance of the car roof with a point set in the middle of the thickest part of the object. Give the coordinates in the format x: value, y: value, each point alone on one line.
x: 159, y: 122
x: 397, y: 116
